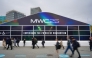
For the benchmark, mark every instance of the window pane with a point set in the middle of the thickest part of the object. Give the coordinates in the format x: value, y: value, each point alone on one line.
x: 50, y: 38
x: 1, y: 37
x: 62, y: 37
x: 39, y: 37
x: 76, y: 37
x: 4, y: 32
x: 72, y: 27
x: 15, y: 32
x: 27, y: 27
x: 27, y: 37
x: 39, y: 28
x: 16, y: 28
x: 84, y: 37
x: 16, y: 37
x: 50, y: 27
x: 84, y: 28
x: 72, y: 32
x: 84, y: 32
x: 4, y: 27
x: 61, y: 27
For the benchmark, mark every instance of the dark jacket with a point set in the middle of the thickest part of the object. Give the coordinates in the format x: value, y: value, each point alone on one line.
x: 74, y: 44
x: 90, y: 42
x: 43, y: 41
x: 9, y: 41
x: 17, y: 41
x: 33, y: 42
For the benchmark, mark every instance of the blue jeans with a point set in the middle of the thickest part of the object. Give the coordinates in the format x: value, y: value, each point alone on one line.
x: 68, y: 47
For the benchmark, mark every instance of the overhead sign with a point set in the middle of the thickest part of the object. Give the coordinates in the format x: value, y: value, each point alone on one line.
x: 44, y: 20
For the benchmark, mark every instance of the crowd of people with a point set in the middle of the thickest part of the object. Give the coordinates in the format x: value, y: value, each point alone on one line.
x: 72, y: 44
x: 12, y: 42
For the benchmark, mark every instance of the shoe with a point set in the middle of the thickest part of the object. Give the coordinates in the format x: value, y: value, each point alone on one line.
x: 79, y: 57
x: 71, y: 56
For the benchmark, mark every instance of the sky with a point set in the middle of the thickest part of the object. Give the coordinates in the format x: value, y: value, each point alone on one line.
x: 80, y: 10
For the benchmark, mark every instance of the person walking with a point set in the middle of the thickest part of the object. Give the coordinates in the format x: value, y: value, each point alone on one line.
x: 90, y: 43
x: 75, y: 46
x: 4, y: 43
x: 24, y: 41
x: 12, y: 42
x: 61, y: 44
x: 15, y: 42
x: 9, y: 44
x: 43, y: 42
x: 68, y: 45
x: 36, y: 41
x: 33, y: 43
x: 57, y: 45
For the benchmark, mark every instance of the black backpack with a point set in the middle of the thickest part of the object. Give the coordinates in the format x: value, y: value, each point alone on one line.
x: 77, y: 43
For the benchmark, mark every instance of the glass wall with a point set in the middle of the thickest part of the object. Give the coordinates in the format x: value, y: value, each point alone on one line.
x: 49, y: 33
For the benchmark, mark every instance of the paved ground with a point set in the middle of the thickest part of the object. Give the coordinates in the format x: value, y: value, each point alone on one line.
x: 38, y: 52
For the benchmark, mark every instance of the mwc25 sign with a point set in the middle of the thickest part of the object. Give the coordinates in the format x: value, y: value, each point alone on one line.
x: 44, y: 20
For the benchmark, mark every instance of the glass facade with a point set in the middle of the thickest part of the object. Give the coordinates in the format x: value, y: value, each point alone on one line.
x: 49, y: 33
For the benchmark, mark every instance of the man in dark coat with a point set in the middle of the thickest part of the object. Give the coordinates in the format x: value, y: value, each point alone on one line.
x: 75, y: 46
x: 33, y: 43
x: 9, y: 44
x: 17, y: 41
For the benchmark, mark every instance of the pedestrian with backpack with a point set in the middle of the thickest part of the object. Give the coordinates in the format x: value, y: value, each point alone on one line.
x: 75, y: 46
x: 36, y: 41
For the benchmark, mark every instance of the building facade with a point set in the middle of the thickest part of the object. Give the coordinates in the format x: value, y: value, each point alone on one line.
x: 45, y: 25
x: 2, y: 19
x: 35, y: 10
x: 11, y: 15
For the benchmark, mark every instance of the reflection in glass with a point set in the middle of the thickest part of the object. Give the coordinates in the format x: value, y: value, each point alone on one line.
x: 62, y: 37
x: 50, y: 27
x: 84, y: 32
x: 27, y: 27
x: 61, y: 27
x: 16, y: 27
x: 72, y: 32
x: 84, y: 28
x: 75, y: 37
x: 50, y: 38
x: 27, y: 37
x: 1, y: 37
x: 39, y: 28
x: 84, y: 38
x: 16, y: 37
x: 39, y: 37
x: 4, y: 27
x: 72, y: 27
x: 15, y: 32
